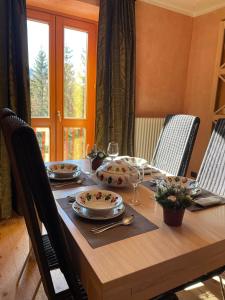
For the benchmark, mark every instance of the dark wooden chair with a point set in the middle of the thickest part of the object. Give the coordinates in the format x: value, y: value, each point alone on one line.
x: 34, y: 192
x: 174, y: 148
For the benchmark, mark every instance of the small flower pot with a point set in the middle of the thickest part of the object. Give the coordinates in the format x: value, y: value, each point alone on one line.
x: 173, y: 217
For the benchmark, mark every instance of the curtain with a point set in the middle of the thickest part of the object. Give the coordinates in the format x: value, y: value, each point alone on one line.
x: 14, y: 82
x: 115, y: 99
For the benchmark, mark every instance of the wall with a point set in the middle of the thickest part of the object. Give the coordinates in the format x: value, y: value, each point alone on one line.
x: 163, y: 45
x: 198, y: 95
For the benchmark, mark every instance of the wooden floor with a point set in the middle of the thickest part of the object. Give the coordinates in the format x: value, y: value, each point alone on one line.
x: 13, y: 251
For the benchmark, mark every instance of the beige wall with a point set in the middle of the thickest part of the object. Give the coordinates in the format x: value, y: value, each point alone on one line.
x: 175, y: 67
x: 198, y: 96
x: 163, y: 45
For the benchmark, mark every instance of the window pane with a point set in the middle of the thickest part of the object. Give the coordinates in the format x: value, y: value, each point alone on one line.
x: 43, y: 137
x: 74, y: 143
x: 75, y: 73
x: 38, y: 47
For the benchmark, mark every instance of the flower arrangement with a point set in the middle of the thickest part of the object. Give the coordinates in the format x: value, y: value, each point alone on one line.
x: 173, y: 196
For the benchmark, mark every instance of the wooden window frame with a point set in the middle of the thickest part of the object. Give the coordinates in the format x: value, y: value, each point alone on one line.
x: 91, y: 79
x: 55, y: 86
x: 47, y: 122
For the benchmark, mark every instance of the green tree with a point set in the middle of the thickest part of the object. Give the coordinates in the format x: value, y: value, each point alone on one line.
x: 68, y: 83
x: 39, y: 86
x: 80, y: 87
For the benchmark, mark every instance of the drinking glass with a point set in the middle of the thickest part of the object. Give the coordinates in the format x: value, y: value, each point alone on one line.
x: 135, y: 181
x: 113, y: 150
x: 91, y: 153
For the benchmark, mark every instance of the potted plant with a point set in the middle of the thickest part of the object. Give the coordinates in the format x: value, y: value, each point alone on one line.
x: 173, y: 195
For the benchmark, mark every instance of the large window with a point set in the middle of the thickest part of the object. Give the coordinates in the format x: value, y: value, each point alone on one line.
x: 62, y: 61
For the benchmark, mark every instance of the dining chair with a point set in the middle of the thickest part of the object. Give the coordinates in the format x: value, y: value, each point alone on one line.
x: 175, y: 144
x: 211, y: 177
x: 5, y: 113
x: 38, y: 204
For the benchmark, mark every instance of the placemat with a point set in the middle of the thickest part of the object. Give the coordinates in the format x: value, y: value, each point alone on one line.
x: 65, y: 184
x: 140, y: 225
x: 195, y: 207
x: 205, y: 194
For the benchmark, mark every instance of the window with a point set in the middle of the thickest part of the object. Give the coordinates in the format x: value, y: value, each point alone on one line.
x: 62, y: 63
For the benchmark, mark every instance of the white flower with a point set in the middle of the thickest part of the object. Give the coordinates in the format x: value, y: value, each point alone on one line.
x: 172, y: 198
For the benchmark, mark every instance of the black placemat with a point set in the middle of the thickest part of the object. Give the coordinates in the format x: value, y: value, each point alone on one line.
x: 140, y: 225
x: 195, y: 207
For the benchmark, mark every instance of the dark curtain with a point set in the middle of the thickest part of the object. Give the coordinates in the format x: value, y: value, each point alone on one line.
x: 116, y: 75
x: 14, y: 82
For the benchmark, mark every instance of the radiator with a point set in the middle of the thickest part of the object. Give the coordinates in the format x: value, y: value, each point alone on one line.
x: 147, y: 131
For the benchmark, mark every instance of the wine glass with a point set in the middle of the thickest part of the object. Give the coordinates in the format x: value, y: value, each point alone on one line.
x: 113, y: 150
x: 136, y: 179
x: 91, y: 153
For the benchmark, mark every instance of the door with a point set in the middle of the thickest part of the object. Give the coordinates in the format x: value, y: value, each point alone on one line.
x: 75, y: 87
x: 62, y: 64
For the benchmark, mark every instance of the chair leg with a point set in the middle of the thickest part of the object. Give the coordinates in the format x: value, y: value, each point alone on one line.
x: 36, y: 290
x: 23, y: 267
x: 222, y: 287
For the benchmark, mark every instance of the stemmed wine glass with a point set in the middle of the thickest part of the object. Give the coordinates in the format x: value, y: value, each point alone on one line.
x: 113, y: 150
x: 135, y: 181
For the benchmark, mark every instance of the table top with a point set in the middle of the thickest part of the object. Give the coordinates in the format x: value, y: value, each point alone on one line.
x: 151, y: 263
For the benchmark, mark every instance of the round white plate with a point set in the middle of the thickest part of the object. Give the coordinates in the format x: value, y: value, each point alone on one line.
x: 62, y: 169
x: 135, y: 161
x: 99, y: 200
x: 91, y: 215
x: 54, y: 177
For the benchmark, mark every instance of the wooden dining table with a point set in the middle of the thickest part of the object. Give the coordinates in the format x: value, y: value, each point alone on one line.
x: 151, y: 263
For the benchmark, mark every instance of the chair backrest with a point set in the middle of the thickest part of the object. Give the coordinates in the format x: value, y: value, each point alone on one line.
x: 211, y: 175
x: 37, y: 199
x: 175, y: 144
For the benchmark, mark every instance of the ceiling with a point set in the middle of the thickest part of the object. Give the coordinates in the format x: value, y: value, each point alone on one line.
x: 189, y: 7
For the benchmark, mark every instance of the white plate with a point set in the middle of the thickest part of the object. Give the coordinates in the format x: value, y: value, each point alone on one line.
x: 134, y: 161
x: 149, y: 170
x: 99, y: 200
x: 74, y: 176
x: 91, y: 215
x: 62, y: 169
